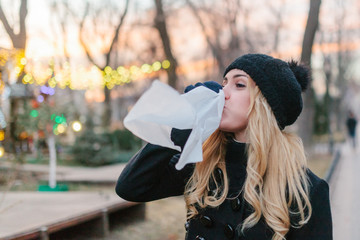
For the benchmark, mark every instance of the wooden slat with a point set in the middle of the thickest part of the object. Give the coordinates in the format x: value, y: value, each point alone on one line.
x: 61, y: 225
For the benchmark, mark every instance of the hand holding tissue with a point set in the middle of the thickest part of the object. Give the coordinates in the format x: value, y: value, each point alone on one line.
x: 161, y: 108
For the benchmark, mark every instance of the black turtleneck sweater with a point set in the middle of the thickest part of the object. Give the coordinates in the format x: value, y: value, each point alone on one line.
x: 151, y: 175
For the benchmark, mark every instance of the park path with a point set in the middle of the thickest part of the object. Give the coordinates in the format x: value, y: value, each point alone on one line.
x: 26, y: 212
x: 345, y: 195
x: 104, y: 174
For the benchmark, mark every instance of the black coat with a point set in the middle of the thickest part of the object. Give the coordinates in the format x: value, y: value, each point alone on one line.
x: 351, y: 126
x: 151, y: 175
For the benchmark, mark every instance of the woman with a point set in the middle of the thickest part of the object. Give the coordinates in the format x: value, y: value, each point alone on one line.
x: 253, y: 182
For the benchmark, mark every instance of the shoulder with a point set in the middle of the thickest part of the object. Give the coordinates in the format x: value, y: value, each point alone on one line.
x: 319, y: 225
x: 319, y: 188
x: 313, y: 178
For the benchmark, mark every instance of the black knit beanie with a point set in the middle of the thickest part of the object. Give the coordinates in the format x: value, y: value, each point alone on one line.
x: 280, y: 82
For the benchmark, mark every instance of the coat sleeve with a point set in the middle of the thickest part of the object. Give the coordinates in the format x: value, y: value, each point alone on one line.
x: 319, y: 226
x: 151, y: 175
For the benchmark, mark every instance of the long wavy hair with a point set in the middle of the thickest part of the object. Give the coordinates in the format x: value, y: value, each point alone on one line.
x: 276, y: 185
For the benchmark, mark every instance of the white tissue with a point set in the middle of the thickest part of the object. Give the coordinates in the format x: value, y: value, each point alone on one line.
x: 161, y: 108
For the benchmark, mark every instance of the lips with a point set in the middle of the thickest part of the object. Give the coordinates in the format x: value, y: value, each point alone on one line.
x: 223, y: 112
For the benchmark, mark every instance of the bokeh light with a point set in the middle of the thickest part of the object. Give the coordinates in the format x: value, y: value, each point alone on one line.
x: 34, y: 113
x: 86, y: 77
x: 23, y: 61
x: 58, y: 119
x: 61, y: 128
x: 156, y: 66
x: 76, y: 126
x: 23, y: 135
x: 166, y: 64
x: 51, y: 91
x: 146, y: 68
x: 2, y: 135
x: 40, y: 98
x: 2, y: 151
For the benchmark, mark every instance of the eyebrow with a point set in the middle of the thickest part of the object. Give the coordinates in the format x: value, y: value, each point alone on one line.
x: 237, y: 75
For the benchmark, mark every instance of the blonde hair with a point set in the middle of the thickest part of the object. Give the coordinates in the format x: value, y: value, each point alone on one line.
x: 276, y: 185
x: 198, y: 187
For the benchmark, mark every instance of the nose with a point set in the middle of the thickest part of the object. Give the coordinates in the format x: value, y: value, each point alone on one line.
x: 226, y: 92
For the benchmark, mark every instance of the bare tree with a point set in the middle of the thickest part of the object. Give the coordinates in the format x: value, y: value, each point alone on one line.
x: 327, y: 102
x: 109, y: 51
x: 160, y: 25
x: 214, y: 44
x: 344, y: 57
x: 214, y: 25
x: 277, y: 26
x: 306, y: 120
x: 61, y: 16
x: 18, y: 39
x: 229, y: 31
x: 312, y: 25
x: 19, y: 42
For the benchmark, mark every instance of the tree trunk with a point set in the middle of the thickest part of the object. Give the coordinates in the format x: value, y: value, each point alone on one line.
x: 160, y: 25
x: 342, y: 62
x: 306, y: 122
x: 19, y: 42
x: 327, y: 101
x: 215, y: 49
x: 107, y: 111
x: 52, y: 161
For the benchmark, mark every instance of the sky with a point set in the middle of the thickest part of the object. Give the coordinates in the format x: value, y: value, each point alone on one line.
x: 45, y: 40
x: 40, y: 23
x: 40, y: 27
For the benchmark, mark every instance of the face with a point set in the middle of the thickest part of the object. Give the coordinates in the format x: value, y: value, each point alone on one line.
x: 237, y: 101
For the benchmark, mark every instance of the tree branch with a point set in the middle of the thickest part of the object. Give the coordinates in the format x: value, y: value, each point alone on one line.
x: 81, y: 39
x: 160, y: 25
x: 214, y: 49
x: 116, y: 35
x: 23, y: 13
x: 5, y: 22
x: 18, y: 40
x: 310, y: 30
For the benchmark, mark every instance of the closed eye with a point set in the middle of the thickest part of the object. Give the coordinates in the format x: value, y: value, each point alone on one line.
x: 240, y: 85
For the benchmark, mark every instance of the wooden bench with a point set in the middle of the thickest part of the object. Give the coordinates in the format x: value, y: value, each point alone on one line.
x: 95, y: 223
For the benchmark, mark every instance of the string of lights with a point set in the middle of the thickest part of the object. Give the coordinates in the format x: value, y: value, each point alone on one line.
x: 110, y: 77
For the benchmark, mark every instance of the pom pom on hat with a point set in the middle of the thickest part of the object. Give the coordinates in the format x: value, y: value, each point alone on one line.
x: 302, y: 74
x: 280, y: 82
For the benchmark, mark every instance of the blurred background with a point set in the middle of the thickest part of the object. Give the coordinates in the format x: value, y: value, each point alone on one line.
x: 71, y: 70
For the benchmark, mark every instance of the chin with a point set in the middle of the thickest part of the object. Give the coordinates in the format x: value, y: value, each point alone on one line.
x: 231, y: 129
x: 225, y: 129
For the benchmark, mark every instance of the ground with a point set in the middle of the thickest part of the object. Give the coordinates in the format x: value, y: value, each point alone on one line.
x: 164, y: 218
x: 164, y: 221
x: 319, y: 164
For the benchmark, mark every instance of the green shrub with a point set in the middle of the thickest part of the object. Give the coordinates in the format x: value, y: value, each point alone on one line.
x: 125, y: 140
x: 92, y: 149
